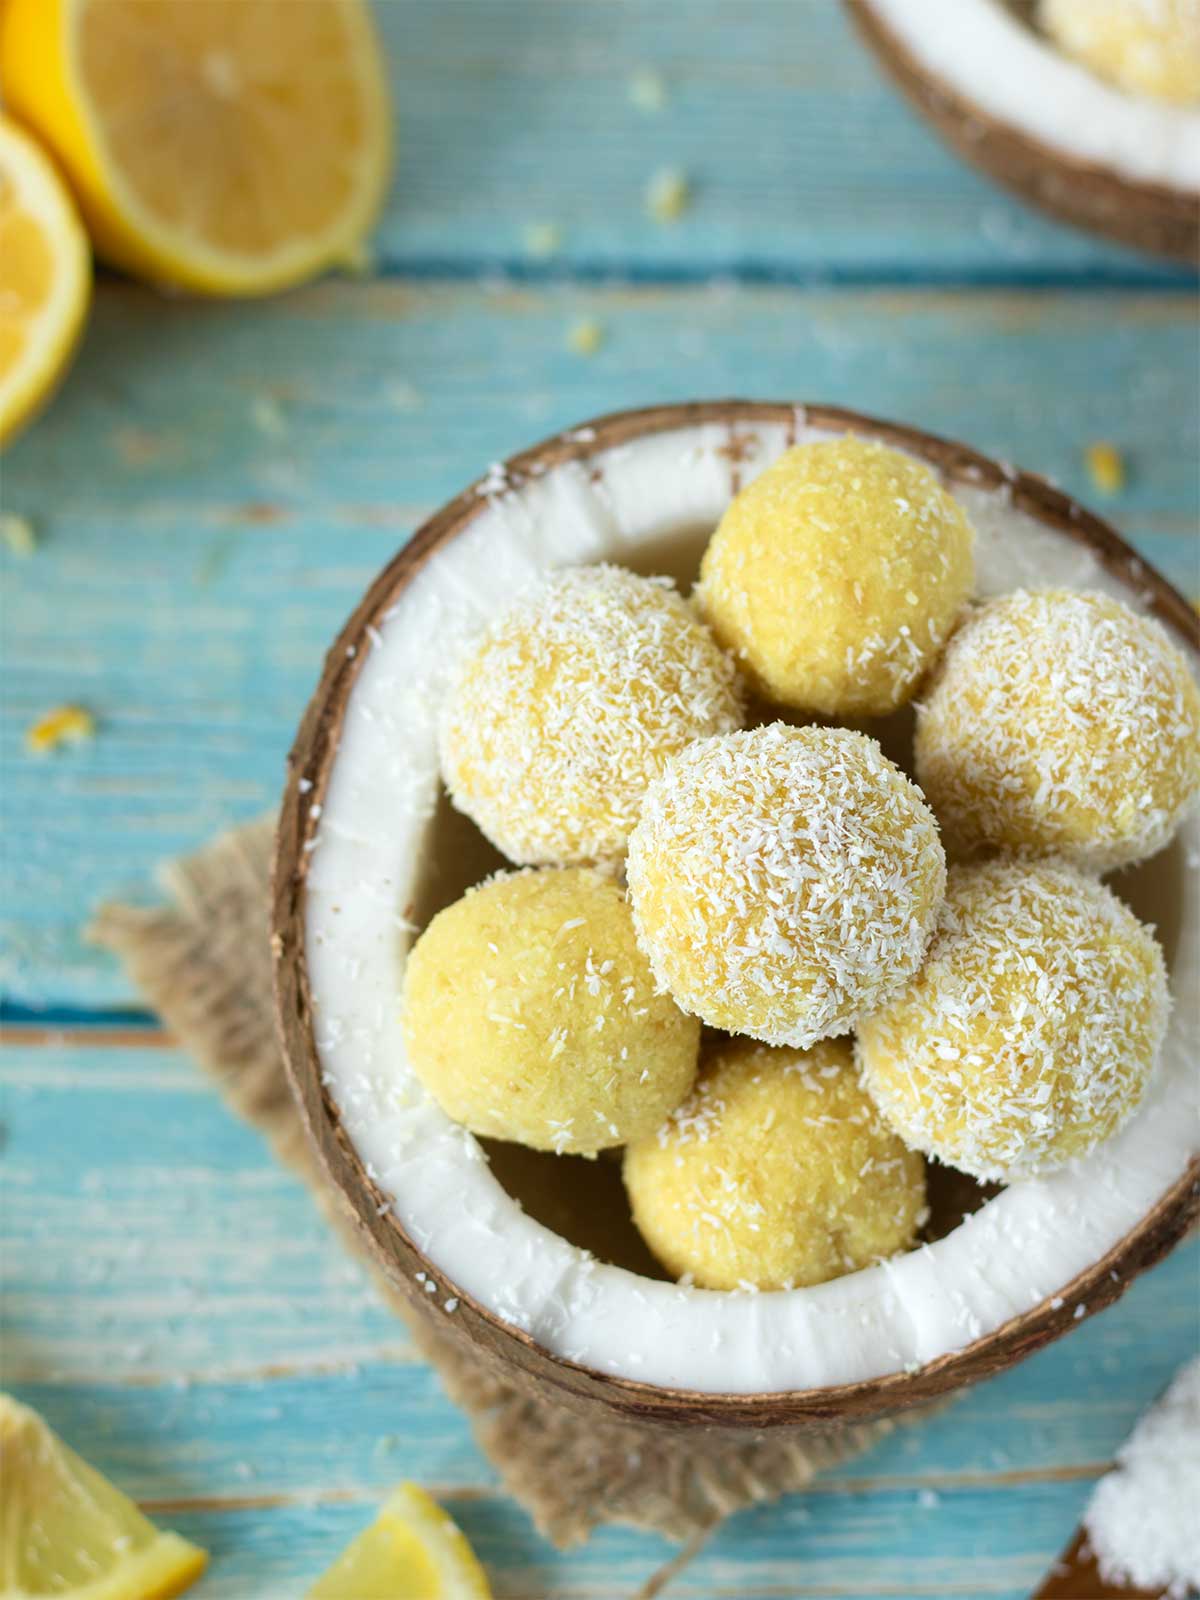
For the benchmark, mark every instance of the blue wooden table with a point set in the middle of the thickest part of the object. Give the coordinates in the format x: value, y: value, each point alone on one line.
x: 213, y: 489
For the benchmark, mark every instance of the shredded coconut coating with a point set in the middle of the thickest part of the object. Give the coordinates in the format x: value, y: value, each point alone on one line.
x: 572, y: 703
x: 784, y: 880
x: 1030, y: 1033
x: 776, y: 1172
x: 1147, y: 47
x: 837, y: 576
x: 1060, y: 723
x: 530, y: 1014
x: 1141, y: 1521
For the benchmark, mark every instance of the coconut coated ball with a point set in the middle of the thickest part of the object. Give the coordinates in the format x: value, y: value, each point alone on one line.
x: 530, y: 1014
x: 572, y: 703
x: 1031, y: 1031
x: 784, y: 880
x: 776, y: 1171
x: 837, y: 575
x: 1060, y: 723
x: 1144, y: 46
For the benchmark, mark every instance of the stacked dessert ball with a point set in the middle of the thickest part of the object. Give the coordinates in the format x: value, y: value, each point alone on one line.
x: 786, y: 884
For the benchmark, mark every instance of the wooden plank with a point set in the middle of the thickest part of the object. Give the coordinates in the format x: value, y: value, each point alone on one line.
x: 309, y: 1430
x: 159, y: 1261
x: 177, y: 1309
x: 217, y: 484
x: 148, y: 1235
x: 804, y: 162
x: 970, y: 1547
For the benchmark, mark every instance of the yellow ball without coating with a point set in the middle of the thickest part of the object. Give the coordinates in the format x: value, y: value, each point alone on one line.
x: 1030, y: 1033
x: 784, y: 880
x: 837, y: 576
x: 776, y: 1171
x: 1060, y: 723
x: 1144, y: 46
x: 571, y: 703
x: 530, y: 1014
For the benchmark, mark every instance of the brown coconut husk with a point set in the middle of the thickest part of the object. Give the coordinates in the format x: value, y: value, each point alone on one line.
x: 493, y: 1346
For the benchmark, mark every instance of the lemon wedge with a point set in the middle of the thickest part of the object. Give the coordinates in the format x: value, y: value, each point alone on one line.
x: 45, y: 277
x: 412, y: 1551
x: 66, y: 1531
x: 232, y: 147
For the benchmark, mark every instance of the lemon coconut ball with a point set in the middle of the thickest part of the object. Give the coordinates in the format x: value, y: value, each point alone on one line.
x: 776, y: 1172
x: 571, y: 703
x: 784, y: 880
x: 837, y: 576
x: 530, y: 1014
x: 1145, y: 46
x: 1030, y: 1032
x: 1060, y: 723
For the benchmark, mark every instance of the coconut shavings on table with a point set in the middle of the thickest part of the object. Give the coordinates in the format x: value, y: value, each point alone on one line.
x: 668, y: 195
x: 63, y: 725
x: 1143, y: 1520
x: 18, y: 533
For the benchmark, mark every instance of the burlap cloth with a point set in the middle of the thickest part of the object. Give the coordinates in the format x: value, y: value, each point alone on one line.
x: 202, y: 962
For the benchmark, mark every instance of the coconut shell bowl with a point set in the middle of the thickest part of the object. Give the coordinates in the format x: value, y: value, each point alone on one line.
x: 531, y: 1259
x: 1099, y: 152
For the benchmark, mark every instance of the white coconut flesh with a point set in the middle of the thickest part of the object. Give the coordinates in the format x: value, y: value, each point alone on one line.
x: 997, y: 62
x: 385, y: 833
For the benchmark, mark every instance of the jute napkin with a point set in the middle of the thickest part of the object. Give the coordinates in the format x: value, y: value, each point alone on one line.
x: 202, y: 962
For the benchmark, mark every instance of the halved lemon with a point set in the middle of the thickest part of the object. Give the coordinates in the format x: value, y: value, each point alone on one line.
x: 45, y: 277
x: 412, y: 1551
x: 226, y: 146
x: 66, y: 1531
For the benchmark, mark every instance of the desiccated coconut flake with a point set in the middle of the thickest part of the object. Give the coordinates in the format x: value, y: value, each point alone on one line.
x: 1107, y: 467
x: 541, y: 240
x: 63, y: 725
x: 1142, y: 1519
x: 647, y: 90
x: 585, y: 337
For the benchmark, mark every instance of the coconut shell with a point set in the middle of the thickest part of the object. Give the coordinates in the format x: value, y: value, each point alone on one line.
x: 1152, y: 217
x: 497, y: 1344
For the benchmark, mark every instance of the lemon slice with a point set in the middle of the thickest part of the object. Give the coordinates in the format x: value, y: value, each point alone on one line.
x: 226, y: 146
x: 412, y: 1551
x: 66, y: 1531
x: 45, y: 277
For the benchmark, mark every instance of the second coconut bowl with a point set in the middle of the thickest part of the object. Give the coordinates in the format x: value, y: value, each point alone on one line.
x: 530, y: 1261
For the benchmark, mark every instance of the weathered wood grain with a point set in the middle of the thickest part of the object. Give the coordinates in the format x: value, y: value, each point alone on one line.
x: 216, y: 486
x: 805, y: 162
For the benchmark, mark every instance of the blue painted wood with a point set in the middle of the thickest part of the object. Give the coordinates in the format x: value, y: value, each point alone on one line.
x: 217, y: 485
x: 177, y: 1309
x: 805, y: 164
x: 152, y: 1285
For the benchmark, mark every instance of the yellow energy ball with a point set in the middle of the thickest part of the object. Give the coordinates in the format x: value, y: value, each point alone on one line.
x: 784, y: 880
x: 571, y: 703
x: 837, y: 575
x: 1146, y: 46
x: 1031, y: 1031
x: 777, y: 1171
x: 1060, y: 724
x: 530, y: 1014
